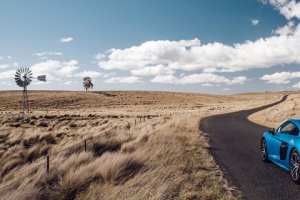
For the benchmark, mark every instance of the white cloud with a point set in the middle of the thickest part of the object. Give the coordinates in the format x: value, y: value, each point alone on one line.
x: 9, y: 57
x: 42, y: 82
x: 254, y: 22
x: 239, y: 80
x: 69, y: 39
x: 198, y: 78
x: 6, y: 83
x: 68, y: 83
x: 15, y: 64
x: 99, y: 56
x: 207, y: 84
x: 89, y: 73
x: 278, y: 49
x: 296, y: 85
x: 130, y: 79
x: 288, y: 8
x: 54, y: 68
x: 48, y: 53
x: 7, y: 74
x: 4, y: 66
x: 153, y: 71
x: 109, y: 74
x: 280, y: 77
x: 286, y: 30
x: 226, y: 89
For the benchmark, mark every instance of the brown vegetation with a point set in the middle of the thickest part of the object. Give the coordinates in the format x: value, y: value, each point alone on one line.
x: 139, y: 145
x: 274, y: 116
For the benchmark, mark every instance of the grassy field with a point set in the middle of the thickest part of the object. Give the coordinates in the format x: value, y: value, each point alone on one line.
x: 139, y: 145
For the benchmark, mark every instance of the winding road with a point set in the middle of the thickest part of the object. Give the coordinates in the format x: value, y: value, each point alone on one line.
x: 235, y: 146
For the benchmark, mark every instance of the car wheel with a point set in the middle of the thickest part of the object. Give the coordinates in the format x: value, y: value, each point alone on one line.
x: 294, y: 166
x: 264, y: 151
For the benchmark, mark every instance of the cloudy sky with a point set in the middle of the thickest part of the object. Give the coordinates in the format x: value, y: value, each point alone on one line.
x: 218, y: 47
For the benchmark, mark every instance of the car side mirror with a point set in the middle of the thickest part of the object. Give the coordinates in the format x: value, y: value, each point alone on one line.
x: 271, y: 130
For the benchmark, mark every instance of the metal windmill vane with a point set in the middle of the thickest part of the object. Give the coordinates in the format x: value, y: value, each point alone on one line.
x: 23, y: 78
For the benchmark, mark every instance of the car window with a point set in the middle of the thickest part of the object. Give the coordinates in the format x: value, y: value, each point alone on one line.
x: 286, y: 128
x: 295, y: 131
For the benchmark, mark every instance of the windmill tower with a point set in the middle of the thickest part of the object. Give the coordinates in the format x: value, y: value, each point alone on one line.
x: 23, y: 78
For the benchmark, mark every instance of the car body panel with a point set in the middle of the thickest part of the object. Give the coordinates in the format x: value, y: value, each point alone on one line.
x: 281, y: 143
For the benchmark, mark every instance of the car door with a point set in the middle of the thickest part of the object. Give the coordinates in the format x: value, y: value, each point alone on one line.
x: 279, y: 142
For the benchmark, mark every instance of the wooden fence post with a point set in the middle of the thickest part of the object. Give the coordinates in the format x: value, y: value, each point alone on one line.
x: 48, y: 163
x: 85, y: 145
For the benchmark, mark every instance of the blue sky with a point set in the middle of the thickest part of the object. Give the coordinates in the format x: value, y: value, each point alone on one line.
x: 219, y: 47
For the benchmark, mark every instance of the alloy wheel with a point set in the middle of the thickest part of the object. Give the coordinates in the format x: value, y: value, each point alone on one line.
x: 295, y: 165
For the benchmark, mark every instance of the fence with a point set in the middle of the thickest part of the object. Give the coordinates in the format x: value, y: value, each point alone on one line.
x: 18, y: 174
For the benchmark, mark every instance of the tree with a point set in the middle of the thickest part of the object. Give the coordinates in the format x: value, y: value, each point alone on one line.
x: 87, y: 83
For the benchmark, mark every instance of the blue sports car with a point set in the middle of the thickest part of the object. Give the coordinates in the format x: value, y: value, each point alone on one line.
x: 282, y: 146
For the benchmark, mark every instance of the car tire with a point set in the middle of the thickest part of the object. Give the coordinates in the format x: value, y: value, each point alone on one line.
x: 294, y: 166
x: 264, y: 150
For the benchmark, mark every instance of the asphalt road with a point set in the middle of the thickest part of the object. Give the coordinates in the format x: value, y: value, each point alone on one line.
x: 235, y: 146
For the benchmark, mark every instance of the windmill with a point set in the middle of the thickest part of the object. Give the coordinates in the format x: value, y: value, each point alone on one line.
x: 23, y: 78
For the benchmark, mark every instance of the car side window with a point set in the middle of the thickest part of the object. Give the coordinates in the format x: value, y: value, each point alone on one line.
x: 295, y: 131
x: 287, y: 128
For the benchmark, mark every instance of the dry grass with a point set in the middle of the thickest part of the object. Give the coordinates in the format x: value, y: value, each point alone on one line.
x: 161, y: 156
x: 274, y: 116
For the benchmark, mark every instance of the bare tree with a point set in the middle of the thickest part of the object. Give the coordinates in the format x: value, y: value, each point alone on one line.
x: 87, y: 83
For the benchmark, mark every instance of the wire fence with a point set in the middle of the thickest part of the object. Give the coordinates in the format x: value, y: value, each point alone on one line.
x: 19, y: 173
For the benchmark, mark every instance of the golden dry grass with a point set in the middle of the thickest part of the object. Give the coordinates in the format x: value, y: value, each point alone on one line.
x: 140, y: 145
x: 274, y: 116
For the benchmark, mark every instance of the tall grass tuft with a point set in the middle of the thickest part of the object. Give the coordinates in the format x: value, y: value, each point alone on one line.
x: 100, y: 147
x: 117, y: 168
x: 72, y: 183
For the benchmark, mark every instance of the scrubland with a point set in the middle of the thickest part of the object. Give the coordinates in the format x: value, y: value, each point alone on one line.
x: 114, y: 144
x: 274, y: 116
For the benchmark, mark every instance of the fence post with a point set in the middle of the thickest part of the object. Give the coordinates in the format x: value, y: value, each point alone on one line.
x: 48, y: 163
x: 140, y: 119
x: 85, y: 145
x: 144, y: 118
x: 135, y: 122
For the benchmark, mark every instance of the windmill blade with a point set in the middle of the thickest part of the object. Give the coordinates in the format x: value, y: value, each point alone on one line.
x: 28, y: 80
